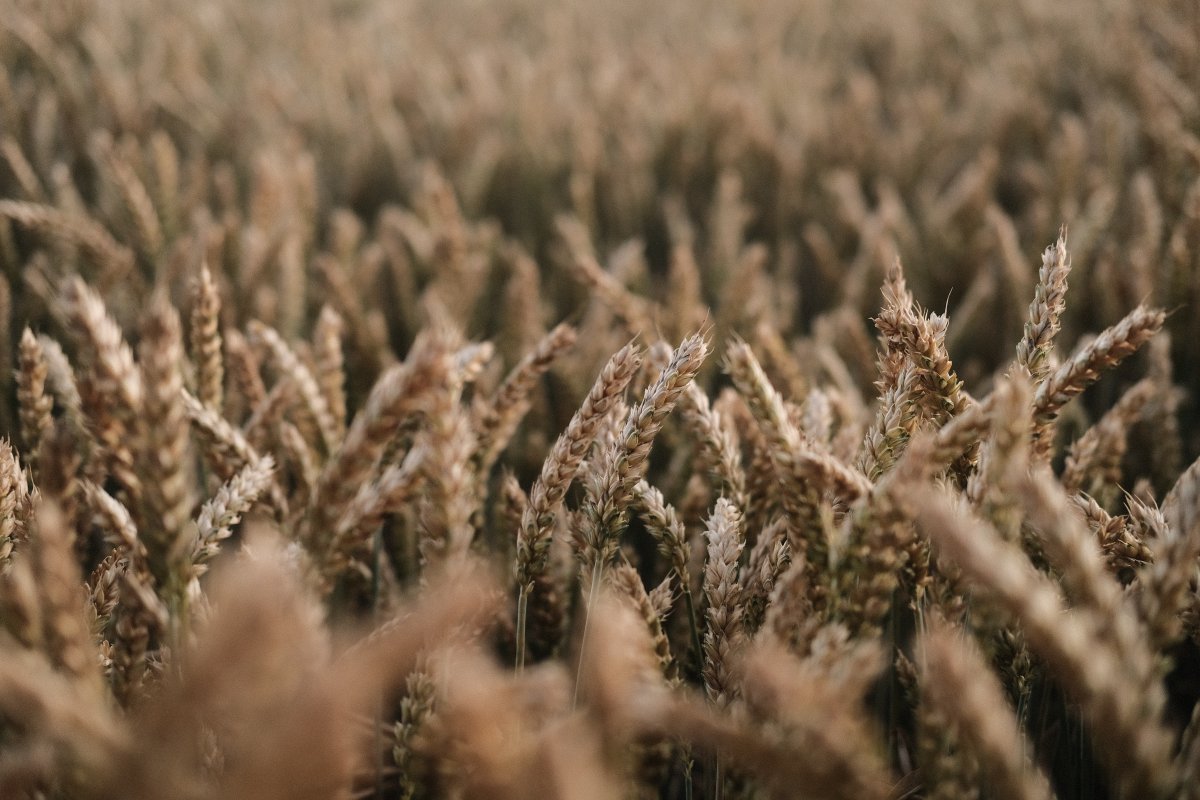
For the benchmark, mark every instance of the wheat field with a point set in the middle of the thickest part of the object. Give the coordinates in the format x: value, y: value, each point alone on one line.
x: 516, y: 399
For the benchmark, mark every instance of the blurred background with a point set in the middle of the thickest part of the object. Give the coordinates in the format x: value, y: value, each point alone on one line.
x: 838, y: 135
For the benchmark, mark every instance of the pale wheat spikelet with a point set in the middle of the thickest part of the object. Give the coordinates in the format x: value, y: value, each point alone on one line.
x: 1077, y: 555
x: 205, y: 340
x: 469, y: 361
x: 557, y: 474
x: 401, y: 392
x: 924, y: 341
x: 522, y: 324
x: 812, y: 707
x: 113, y: 520
x: 223, y: 446
x: 495, y: 420
x: 243, y: 367
x: 629, y: 584
x: 1045, y: 311
x: 63, y: 718
x: 112, y: 258
x: 768, y: 559
x: 763, y: 490
x: 723, y: 634
x: 719, y: 450
x: 103, y: 594
x: 950, y: 445
x: 364, y: 513
x: 817, y: 418
x: 301, y: 376
x: 1110, y: 348
x: 1094, y: 459
x: 831, y: 474
x: 134, y: 196
x: 625, y: 462
x: 225, y: 449
x: 1146, y: 523
x: 780, y: 363
x: 763, y: 399
x: 792, y: 617
x: 68, y: 643
x: 13, y: 494
x: 636, y: 312
x: 958, y: 682
x: 61, y: 465
x: 663, y: 524
x: 1124, y: 550
x: 20, y: 604
x: 162, y: 446
x: 662, y: 597
x: 300, y: 461
x: 800, y: 499
x: 876, y: 542
x: 112, y: 389
x: 894, y: 424
x: 330, y: 364
x: 60, y: 380
x: 1006, y: 445
x: 166, y: 184
x: 450, y: 491
x: 416, y: 711
x: 140, y: 617
x: 220, y: 513
x: 1165, y: 582
x: 948, y: 770
x: 1128, y: 734
x: 263, y: 426
x: 35, y: 404
x: 898, y: 311
x: 512, y: 504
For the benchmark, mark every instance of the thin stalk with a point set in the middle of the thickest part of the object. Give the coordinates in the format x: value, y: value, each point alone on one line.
x: 376, y: 562
x: 587, y: 617
x: 698, y: 662
x: 178, y: 611
x: 695, y: 627
x: 522, y: 611
x: 893, y: 710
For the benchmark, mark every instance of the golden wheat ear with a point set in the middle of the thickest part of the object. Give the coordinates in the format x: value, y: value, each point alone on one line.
x: 625, y: 462
x: 962, y: 690
x: 723, y: 590
x: 34, y: 402
x: 1129, y: 735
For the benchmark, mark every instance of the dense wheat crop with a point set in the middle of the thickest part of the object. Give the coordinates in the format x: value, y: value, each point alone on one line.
x: 702, y: 399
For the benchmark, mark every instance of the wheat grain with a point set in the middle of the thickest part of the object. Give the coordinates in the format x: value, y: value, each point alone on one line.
x: 723, y: 593
x: 1045, y: 311
x: 205, y: 340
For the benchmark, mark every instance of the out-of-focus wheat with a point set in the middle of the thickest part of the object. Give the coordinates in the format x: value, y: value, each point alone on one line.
x: 345, y: 381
